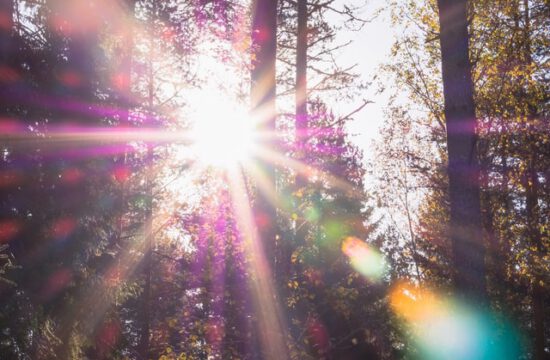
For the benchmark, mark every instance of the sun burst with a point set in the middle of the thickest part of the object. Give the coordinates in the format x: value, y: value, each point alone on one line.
x: 223, y: 135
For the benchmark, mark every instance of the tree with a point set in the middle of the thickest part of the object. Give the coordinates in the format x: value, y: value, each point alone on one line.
x: 301, y: 120
x: 463, y: 168
x: 497, y: 47
x: 263, y: 93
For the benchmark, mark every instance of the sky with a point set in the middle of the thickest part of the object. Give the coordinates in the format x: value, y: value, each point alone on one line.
x: 369, y: 49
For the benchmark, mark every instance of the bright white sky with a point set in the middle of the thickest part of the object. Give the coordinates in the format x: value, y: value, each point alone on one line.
x: 370, y: 48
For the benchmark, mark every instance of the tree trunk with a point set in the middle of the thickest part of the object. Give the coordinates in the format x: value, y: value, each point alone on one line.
x: 301, y: 75
x: 145, y: 306
x: 533, y: 228
x: 463, y: 168
x: 266, y: 305
x: 145, y: 311
x: 532, y: 199
x: 6, y: 51
x: 301, y: 121
x: 124, y: 75
x: 6, y: 31
x: 264, y: 27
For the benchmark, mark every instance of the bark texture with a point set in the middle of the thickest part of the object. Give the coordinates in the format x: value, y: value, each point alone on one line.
x: 463, y: 168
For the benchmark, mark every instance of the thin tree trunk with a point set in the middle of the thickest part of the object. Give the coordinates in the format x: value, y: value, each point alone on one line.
x: 533, y: 217
x: 463, y: 168
x: 6, y: 32
x: 301, y: 121
x: 301, y: 75
x: 532, y: 201
x: 125, y: 68
x: 125, y: 94
x: 410, y: 226
x: 145, y: 313
x: 301, y: 129
x: 264, y: 27
x: 6, y: 52
x: 505, y: 235
x: 267, y: 309
x: 145, y: 310
x: 537, y: 298
x: 302, y: 226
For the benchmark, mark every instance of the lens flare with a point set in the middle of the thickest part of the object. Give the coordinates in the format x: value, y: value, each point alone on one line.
x: 63, y: 227
x: 365, y: 259
x: 8, y: 230
x: 445, y: 328
x: 56, y: 282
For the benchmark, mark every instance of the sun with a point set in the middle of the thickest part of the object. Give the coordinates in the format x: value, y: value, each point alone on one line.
x: 223, y: 135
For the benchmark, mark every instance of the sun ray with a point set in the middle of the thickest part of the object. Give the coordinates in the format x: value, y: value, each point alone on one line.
x: 83, y: 134
x: 263, y: 184
x: 308, y: 171
x: 264, y: 294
